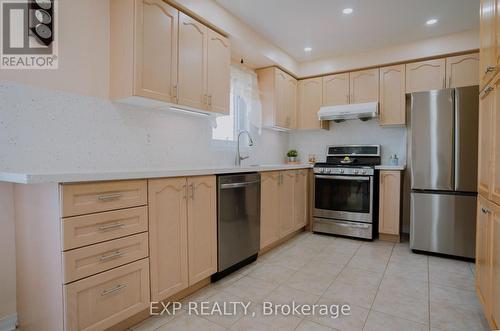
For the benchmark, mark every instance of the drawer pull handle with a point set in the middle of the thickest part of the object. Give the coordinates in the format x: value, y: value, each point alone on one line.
x: 113, y: 289
x: 485, y: 210
x: 489, y: 69
x: 111, y: 226
x: 109, y: 197
x: 111, y: 256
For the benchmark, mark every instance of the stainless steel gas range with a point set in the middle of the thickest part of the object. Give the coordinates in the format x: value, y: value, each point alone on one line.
x: 346, y: 191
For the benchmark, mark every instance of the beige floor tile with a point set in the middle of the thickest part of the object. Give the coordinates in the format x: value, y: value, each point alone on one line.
x: 379, y: 244
x: 251, y: 267
x: 402, y: 306
x: 260, y: 322
x: 438, y: 264
x: 453, y: 296
x: 272, y: 273
x: 354, y: 294
x: 383, y: 322
x: 306, y: 325
x: 347, y: 246
x: 369, y: 263
x: 409, y: 258
x: 417, y: 271
x: 322, y: 267
x: 453, y: 318
x: 186, y: 322
x: 154, y: 322
x: 286, y: 294
x: 406, y: 286
x: 461, y: 281
x: 310, y: 282
x: 224, y: 300
x: 360, y: 276
x: 333, y: 257
x: 289, y: 260
x: 374, y: 252
x: 250, y: 288
x: 353, y: 322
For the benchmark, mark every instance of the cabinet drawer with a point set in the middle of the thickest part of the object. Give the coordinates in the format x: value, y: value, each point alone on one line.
x: 91, y: 229
x: 79, y: 199
x: 90, y: 260
x: 101, y: 301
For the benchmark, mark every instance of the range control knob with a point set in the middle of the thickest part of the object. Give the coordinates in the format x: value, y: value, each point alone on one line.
x: 364, y: 172
x: 341, y: 171
x: 356, y: 172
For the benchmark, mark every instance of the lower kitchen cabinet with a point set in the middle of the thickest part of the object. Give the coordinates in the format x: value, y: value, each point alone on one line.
x: 168, y: 236
x: 283, y: 204
x: 202, y: 227
x: 484, y: 267
x: 269, y: 208
x: 301, y: 199
x: 390, y: 205
x: 183, y: 233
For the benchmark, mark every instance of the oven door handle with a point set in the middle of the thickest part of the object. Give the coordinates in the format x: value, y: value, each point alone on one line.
x: 344, y: 177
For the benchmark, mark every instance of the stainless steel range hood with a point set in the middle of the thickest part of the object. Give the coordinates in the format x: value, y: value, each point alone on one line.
x: 361, y: 111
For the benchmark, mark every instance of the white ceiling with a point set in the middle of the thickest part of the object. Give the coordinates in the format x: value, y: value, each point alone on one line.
x: 320, y: 24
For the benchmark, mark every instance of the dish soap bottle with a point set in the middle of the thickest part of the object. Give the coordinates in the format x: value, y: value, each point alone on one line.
x: 394, y: 161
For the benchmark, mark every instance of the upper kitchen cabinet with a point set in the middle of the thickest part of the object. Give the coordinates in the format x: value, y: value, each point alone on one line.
x: 192, y: 84
x: 426, y: 75
x: 363, y: 86
x: 489, y: 41
x: 336, y: 89
x: 310, y: 96
x: 278, y: 93
x: 149, y: 28
x: 175, y: 60
x: 462, y: 70
x: 392, y: 95
x: 218, y: 72
x: 485, y: 157
x: 494, y: 142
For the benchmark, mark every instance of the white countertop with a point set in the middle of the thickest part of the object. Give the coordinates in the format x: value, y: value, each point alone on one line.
x: 390, y: 167
x: 38, y: 178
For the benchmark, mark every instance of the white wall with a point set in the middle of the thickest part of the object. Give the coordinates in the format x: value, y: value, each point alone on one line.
x: 391, y: 139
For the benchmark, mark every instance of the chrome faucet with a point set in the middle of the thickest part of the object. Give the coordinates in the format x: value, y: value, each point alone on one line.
x: 239, y: 158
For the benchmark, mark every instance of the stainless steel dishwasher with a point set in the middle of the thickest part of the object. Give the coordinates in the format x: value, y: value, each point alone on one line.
x: 238, y: 221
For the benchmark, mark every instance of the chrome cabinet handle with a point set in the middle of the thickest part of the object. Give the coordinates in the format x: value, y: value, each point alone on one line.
x: 111, y: 256
x: 184, y: 187
x: 192, y: 191
x: 110, y: 226
x: 488, y: 89
x: 209, y: 99
x: 347, y: 98
x: 113, y: 289
x: 489, y: 69
x: 204, y: 99
x: 109, y: 197
x: 174, y: 91
x: 485, y: 210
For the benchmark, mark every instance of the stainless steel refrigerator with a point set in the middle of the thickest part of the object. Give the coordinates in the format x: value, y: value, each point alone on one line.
x: 444, y: 138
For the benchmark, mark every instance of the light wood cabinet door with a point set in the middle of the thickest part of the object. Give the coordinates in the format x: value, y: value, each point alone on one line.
x: 202, y: 228
x: 336, y: 89
x: 310, y: 99
x: 292, y: 102
x: 495, y: 264
x: 300, y: 199
x: 425, y: 75
x: 168, y: 237
x: 486, y: 109
x: 483, y: 254
x: 488, y: 40
x: 285, y: 93
x: 156, y: 50
x: 393, y: 95
x: 269, y: 208
x: 390, y: 202
x: 364, y: 86
x: 192, y: 74
x: 218, y: 72
x: 494, y: 141
x: 287, y: 199
x: 462, y: 70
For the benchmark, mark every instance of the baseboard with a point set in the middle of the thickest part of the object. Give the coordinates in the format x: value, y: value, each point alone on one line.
x: 8, y: 323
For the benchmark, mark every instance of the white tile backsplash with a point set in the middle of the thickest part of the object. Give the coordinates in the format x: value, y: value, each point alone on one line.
x: 391, y: 139
x: 53, y: 131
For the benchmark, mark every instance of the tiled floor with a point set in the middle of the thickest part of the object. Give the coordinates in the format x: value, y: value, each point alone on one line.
x: 387, y: 287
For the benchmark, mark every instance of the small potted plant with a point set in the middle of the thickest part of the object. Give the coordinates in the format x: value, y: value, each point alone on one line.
x: 292, y: 156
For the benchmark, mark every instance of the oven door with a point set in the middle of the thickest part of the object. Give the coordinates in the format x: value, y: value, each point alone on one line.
x: 344, y: 197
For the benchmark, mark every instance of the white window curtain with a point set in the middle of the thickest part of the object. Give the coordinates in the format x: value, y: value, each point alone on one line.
x: 245, y: 106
